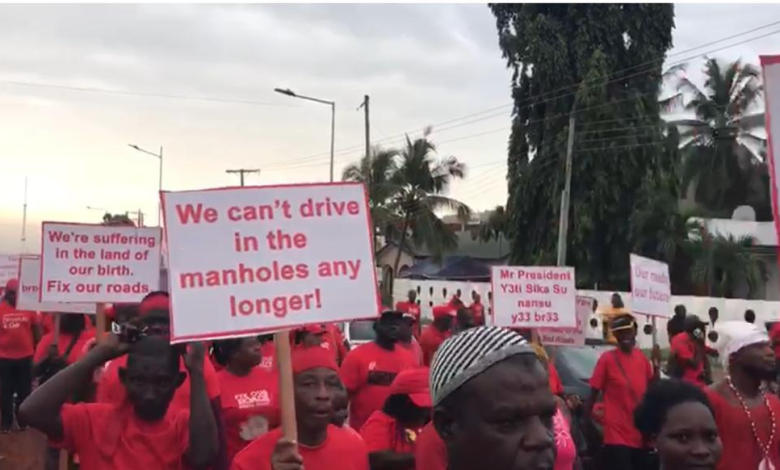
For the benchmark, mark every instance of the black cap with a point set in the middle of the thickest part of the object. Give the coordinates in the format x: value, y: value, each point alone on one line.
x: 622, y: 322
x: 693, y: 322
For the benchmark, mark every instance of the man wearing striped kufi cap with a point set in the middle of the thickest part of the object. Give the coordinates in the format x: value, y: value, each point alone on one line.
x: 492, y: 405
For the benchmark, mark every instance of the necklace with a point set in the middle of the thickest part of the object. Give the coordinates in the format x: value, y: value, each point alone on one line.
x: 763, y: 448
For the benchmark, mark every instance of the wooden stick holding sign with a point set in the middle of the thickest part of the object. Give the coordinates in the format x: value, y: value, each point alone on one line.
x: 100, y: 323
x: 286, y: 387
x: 57, y: 323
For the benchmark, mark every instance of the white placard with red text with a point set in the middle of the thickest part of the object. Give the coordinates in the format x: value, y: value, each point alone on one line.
x: 533, y: 296
x: 98, y: 263
x: 28, y: 295
x: 651, y: 290
x: 9, y: 269
x: 570, y: 336
x: 245, y: 260
x: 770, y: 66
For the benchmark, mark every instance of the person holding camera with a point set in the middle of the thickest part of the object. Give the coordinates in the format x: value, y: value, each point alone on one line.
x: 689, y: 352
x: 141, y: 432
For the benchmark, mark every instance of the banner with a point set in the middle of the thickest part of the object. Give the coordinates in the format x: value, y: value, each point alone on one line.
x: 651, y: 290
x: 28, y: 295
x: 98, y: 263
x: 9, y: 269
x: 570, y: 336
x: 533, y: 296
x: 771, y: 70
x: 254, y: 259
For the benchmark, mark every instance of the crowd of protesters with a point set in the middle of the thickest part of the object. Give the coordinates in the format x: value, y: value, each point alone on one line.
x: 452, y: 395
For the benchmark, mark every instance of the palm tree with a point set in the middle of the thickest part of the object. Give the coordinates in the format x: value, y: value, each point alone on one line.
x: 720, y: 261
x: 419, y: 184
x: 375, y: 171
x: 495, y: 227
x: 719, y: 142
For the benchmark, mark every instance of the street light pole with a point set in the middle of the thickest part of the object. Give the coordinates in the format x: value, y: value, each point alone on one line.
x: 159, y: 186
x: 332, y: 105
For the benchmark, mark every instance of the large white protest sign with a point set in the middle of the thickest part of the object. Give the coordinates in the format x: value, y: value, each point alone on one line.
x: 9, y: 269
x: 570, y: 336
x: 771, y: 69
x: 244, y: 260
x: 651, y: 290
x: 28, y: 294
x: 533, y: 296
x: 98, y: 263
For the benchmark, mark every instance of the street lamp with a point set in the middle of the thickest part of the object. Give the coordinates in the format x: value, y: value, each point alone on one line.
x: 160, y: 157
x: 332, y: 105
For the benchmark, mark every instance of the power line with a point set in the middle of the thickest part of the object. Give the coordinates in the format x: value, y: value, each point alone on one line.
x: 576, y: 85
x: 143, y: 94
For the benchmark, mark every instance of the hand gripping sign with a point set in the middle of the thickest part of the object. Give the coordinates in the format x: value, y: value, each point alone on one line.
x: 533, y: 296
x: 253, y: 259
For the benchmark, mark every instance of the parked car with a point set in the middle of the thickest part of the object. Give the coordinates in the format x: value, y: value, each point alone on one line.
x: 359, y: 332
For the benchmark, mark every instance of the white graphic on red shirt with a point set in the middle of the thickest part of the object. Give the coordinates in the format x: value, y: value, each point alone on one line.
x: 253, y: 428
x: 12, y: 321
x: 372, y: 365
x: 253, y: 399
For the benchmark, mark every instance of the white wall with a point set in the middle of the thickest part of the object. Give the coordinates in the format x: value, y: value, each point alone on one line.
x: 432, y: 293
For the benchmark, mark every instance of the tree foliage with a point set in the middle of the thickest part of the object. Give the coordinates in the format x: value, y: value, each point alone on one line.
x: 613, y: 53
x: 723, y: 152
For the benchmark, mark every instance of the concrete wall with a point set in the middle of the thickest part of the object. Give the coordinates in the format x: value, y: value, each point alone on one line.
x: 432, y: 293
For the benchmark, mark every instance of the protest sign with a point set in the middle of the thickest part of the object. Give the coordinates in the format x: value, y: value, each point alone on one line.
x: 28, y: 294
x: 98, y: 263
x: 770, y: 66
x: 651, y: 290
x: 533, y: 296
x: 570, y: 336
x: 245, y: 260
x: 9, y: 269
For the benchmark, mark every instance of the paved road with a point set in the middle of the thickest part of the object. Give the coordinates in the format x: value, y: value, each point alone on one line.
x: 22, y: 451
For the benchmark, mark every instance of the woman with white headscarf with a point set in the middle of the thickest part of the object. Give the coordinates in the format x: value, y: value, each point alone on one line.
x: 746, y: 415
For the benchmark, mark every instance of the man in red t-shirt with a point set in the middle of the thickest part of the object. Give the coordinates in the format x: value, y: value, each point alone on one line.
x: 621, y: 376
x: 747, y: 416
x: 411, y: 307
x: 407, y: 339
x: 141, y: 433
x: 477, y: 308
x: 689, y: 350
x: 320, y: 445
x: 435, y: 333
x: 154, y: 320
x: 19, y: 334
x: 369, y: 370
x: 391, y: 433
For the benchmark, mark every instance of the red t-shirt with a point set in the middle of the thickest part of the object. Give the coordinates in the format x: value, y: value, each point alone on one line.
x: 621, y: 396
x: 479, y: 313
x: 16, y: 332
x: 367, y: 373
x: 250, y: 406
x: 414, y: 309
x: 556, y: 386
x: 430, y: 452
x: 79, y: 347
x: 335, y: 338
x: 684, y: 348
x: 342, y: 450
x: 110, y: 389
x: 740, y: 450
x: 414, y: 348
x: 112, y: 437
x: 381, y: 433
x: 430, y: 340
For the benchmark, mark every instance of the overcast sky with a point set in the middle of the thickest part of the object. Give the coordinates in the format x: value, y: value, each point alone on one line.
x: 421, y: 64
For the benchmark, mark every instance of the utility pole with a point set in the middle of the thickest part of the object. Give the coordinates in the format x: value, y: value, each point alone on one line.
x: 563, y: 227
x: 24, y: 218
x: 241, y: 172
x: 368, y: 127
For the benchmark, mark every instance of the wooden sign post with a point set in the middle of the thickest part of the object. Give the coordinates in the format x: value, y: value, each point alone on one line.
x: 100, y: 323
x: 286, y: 387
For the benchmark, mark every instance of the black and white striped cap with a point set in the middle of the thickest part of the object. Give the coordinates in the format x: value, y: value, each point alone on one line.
x: 468, y: 354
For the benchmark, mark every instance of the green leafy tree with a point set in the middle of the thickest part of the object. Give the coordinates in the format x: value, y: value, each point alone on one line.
x: 494, y: 228
x: 720, y: 262
x: 721, y: 147
x: 117, y: 219
x: 420, y: 183
x: 614, y: 53
x: 376, y: 172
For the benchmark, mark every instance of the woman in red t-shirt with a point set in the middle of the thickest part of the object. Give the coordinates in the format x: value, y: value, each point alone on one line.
x: 250, y: 404
x: 391, y: 433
